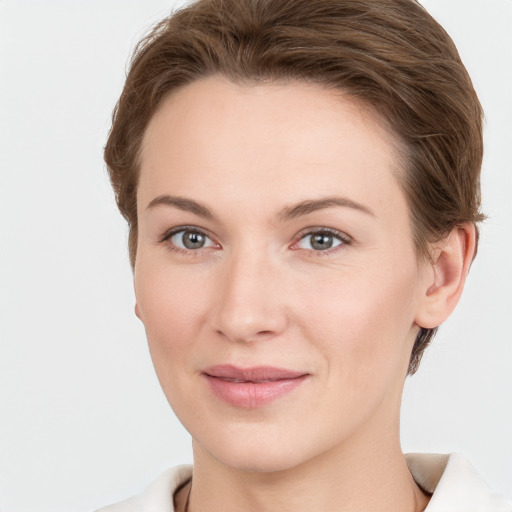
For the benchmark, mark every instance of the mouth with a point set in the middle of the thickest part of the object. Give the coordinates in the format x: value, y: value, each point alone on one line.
x: 254, y: 387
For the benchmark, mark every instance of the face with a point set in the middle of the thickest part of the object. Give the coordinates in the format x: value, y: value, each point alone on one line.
x: 276, y: 274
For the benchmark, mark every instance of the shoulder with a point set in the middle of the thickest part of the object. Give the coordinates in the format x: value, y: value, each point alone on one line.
x: 158, y: 496
x: 454, y: 484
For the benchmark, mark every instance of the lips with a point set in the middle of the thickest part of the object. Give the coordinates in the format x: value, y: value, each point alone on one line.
x: 252, y: 387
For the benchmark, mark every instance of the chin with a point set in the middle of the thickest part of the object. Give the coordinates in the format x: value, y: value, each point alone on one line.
x: 253, y: 458
x: 258, y: 447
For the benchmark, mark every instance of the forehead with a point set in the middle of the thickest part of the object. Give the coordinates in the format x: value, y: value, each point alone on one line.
x: 266, y: 142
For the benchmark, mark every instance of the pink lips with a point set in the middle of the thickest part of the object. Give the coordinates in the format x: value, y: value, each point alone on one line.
x: 251, y: 387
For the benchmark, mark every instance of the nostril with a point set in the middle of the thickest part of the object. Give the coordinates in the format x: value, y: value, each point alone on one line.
x: 246, y: 337
x: 246, y: 314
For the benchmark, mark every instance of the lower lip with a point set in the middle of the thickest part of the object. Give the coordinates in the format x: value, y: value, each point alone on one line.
x: 251, y: 395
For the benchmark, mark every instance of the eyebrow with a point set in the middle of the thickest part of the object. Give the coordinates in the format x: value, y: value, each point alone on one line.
x: 182, y: 203
x: 313, y: 205
x: 287, y: 213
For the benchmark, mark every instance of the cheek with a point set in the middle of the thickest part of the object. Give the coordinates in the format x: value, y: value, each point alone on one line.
x: 172, y: 309
x: 361, y: 320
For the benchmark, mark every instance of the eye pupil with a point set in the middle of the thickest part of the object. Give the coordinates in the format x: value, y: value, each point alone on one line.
x: 321, y: 241
x: 192, y: 240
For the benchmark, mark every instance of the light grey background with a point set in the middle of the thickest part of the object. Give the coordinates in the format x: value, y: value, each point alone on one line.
x: 82, y: 419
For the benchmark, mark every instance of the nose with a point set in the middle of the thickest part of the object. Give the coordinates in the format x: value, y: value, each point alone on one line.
x: 250, y: 304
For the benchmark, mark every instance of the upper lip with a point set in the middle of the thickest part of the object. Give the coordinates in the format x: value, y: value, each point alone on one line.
x: 252, y: 374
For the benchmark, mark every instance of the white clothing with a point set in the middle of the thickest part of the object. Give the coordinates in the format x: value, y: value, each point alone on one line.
x: 453, y: 482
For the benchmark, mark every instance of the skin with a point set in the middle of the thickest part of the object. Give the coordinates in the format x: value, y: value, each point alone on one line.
x: 258, y: 293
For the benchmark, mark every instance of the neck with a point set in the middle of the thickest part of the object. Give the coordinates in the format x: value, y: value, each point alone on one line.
x: 370, y: 477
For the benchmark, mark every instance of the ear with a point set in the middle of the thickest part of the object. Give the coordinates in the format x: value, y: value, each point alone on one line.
x: 136, y: 308
x: 446, y: 275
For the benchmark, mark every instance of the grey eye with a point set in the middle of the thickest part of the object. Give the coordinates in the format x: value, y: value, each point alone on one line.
x: 320, y: 241
x: 187, y: 239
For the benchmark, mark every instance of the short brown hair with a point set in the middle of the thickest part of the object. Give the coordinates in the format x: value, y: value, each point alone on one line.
x: 389, y: 54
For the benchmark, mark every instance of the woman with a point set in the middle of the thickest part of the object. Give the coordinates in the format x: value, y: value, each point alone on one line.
x: 301, y: 182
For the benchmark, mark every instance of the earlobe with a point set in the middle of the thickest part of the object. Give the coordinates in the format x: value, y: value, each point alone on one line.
x: 137, y: 307
x: 444, y: 284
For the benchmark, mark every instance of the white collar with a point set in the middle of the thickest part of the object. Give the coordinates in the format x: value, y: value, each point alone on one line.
x: 455, y: 484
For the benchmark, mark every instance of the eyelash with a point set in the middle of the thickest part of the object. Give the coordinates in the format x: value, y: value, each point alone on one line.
x: 342, y: 237
x: 166, y: 239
